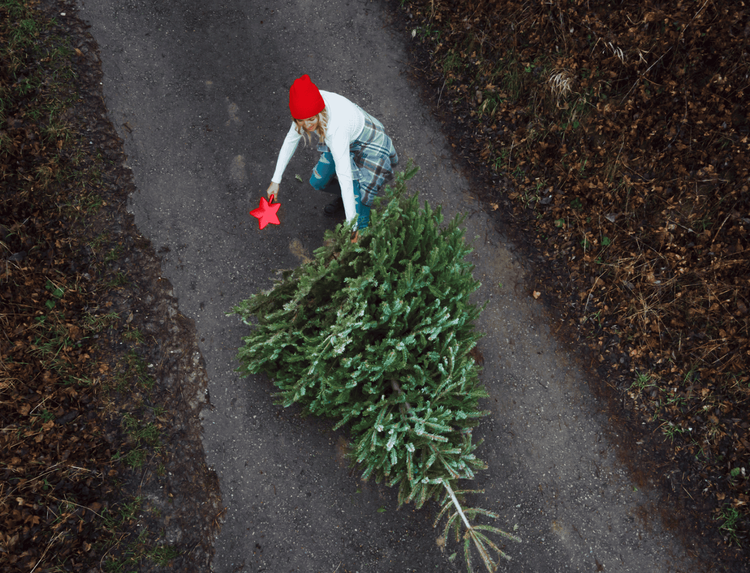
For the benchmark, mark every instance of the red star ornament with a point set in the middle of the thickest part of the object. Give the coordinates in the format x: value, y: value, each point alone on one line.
x: 266, y: 213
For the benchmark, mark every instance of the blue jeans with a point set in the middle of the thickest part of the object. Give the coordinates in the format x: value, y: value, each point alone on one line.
x: 323, y: 173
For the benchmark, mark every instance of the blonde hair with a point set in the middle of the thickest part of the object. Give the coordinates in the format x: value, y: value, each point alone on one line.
x: 320, y: 130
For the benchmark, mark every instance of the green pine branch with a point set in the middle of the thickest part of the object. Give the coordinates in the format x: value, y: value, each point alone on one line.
x: 377, y: 335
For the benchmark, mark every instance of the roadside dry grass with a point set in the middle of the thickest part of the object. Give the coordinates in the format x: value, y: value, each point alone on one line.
x: 616, y: 136
x: 86, y: 440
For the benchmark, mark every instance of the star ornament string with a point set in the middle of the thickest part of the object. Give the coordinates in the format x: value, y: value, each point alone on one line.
x: 266, y: 213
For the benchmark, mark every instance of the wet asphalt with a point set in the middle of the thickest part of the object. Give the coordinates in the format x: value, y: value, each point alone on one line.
x: 198, y: 92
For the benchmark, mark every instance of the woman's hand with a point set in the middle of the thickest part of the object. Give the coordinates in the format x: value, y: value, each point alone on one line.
x: 273, y: 189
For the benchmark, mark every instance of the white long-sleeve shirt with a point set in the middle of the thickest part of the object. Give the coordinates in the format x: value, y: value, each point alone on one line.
x: 345, y: 123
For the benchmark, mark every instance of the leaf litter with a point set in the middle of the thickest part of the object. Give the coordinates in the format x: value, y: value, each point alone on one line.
x: 615, y: 140
x: 90, y: 475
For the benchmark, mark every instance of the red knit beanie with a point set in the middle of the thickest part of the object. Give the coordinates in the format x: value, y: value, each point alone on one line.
x: 305, y: 99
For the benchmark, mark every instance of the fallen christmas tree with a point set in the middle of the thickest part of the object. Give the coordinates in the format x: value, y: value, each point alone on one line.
x: 378, y: 334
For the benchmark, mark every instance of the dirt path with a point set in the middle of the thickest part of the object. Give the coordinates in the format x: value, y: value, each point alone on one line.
x: 198, y: 91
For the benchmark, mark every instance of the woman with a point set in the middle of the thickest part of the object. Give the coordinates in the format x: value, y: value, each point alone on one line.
x: 353, y: 146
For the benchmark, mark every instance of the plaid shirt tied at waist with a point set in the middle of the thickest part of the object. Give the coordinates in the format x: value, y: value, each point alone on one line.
x: 373, y: 159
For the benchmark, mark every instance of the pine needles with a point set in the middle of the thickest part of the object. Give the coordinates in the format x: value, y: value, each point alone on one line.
x: 378, y: 334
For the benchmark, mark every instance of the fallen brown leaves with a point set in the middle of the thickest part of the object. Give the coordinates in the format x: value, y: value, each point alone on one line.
x: 55, y: 466
x: 621, y: 134
x: 84, y: 438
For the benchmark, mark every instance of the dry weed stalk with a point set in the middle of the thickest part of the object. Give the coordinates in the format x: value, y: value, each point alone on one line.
x: 648, y: 312
x: 560, y: 83
x: 617, y: 52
